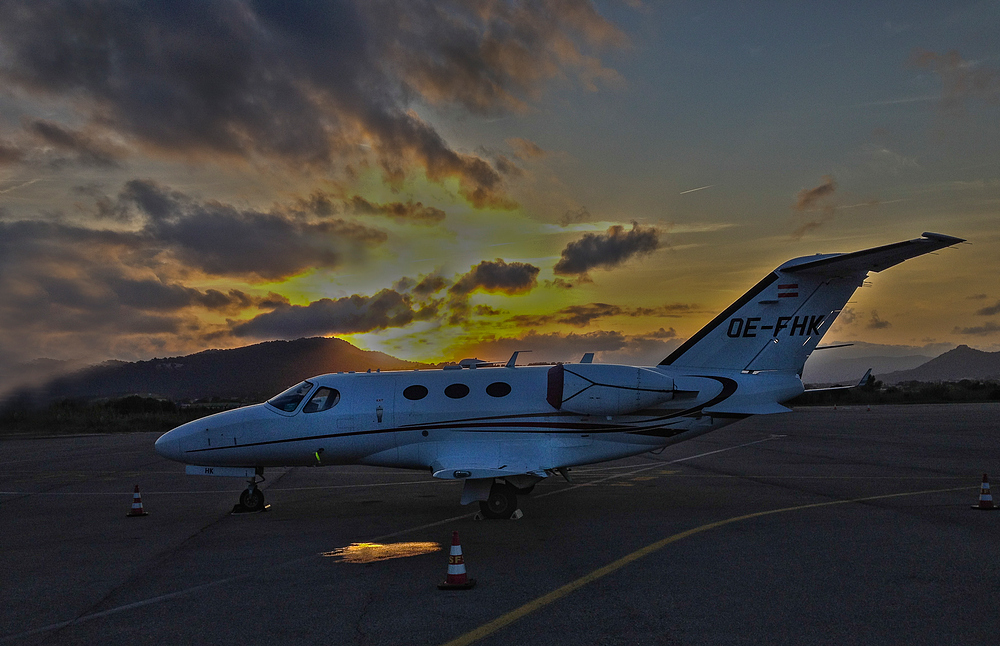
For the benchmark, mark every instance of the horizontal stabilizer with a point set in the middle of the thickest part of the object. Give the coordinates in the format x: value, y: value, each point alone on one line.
x: 874, y: 259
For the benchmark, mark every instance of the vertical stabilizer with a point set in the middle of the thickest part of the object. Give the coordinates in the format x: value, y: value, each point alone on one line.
x: 776, y: 324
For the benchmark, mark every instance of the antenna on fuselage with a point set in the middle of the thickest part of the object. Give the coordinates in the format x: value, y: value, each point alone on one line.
x: 513, y: 358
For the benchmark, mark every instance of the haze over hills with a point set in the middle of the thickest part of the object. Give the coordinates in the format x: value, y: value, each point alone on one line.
x: 842, y: 371
x: 841, y: 365
x: 254, y: 372
x: 257, y: 372
x: 961, y: 363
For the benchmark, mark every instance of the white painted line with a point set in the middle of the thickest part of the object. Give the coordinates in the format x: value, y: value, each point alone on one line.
x: 657, y: 465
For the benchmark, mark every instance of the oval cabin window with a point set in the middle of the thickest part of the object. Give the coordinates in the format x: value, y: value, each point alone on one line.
x: 498, y: 389
x: 456, y: 391
x: 415, y: 392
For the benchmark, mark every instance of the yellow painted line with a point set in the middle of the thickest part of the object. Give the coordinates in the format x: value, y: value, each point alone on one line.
x: 644, y: 478
x: 500, y: 622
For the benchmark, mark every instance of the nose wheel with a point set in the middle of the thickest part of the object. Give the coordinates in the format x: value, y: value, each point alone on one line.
x: 252, y: 498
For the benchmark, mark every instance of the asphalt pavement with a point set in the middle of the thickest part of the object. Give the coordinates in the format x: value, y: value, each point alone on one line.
x: 822, y: 526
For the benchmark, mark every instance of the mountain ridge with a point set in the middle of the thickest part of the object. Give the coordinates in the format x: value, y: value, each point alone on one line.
x: 960, y: 363
x: 249, y: 373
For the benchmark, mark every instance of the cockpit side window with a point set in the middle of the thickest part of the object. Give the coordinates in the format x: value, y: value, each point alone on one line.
x: 289, y: 400
x: 324, y: 399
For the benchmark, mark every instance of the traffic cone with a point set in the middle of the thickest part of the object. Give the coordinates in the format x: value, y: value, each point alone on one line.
x: 456, y: 579
x: 985, y: 497
x: 137, y: 509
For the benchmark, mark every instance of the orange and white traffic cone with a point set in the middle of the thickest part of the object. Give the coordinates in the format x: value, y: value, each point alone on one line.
x: 456, y: 579
x: 985, y: 497
x: 137, y: 509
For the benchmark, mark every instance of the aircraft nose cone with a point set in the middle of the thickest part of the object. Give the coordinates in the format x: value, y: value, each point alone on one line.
x: 169, y: 446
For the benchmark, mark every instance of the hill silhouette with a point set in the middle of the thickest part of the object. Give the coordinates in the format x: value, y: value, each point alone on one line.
x: 251, y: 373
x: 961, y: 363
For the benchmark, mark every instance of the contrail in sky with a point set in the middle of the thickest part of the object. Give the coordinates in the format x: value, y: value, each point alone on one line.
x: 692, y: 190
x: 22, y: 185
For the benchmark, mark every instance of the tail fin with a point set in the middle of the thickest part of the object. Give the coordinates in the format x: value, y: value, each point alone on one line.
x: 779, y: 322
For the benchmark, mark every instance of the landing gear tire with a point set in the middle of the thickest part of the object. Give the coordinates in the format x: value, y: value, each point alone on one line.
x: 502, y: 502
x: 252, y: 500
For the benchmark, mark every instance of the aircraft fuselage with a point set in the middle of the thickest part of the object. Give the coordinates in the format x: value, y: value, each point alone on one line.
x: 496, y: 419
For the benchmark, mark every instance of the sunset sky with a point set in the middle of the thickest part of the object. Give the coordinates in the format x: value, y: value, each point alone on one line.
x: 445, y: 179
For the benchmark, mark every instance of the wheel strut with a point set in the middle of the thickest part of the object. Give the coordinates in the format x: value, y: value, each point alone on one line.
x: 252, y: 498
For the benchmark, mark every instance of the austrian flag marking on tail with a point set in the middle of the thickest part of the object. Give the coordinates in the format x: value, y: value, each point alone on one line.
x: 790, y: 290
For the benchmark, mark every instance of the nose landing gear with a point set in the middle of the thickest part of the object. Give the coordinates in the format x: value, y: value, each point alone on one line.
x: 252, y: 498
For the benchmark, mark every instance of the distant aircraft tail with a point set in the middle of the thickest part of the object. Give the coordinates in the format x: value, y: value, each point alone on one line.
x: 779, y: 322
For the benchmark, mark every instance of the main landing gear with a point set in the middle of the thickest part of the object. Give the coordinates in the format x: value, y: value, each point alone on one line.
x: 252, y: 499
x: 502, y: 501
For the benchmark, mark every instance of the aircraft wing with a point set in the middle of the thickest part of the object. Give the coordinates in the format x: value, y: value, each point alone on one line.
x: 465, y: 470
x: 861, y: 383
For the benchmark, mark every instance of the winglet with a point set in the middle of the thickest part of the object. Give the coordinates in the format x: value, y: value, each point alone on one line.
x: 513, y: 358
x: 864, y: 380
x: 940, y: 237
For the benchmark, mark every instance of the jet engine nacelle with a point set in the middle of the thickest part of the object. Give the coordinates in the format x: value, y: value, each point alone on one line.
x: 606, y: 389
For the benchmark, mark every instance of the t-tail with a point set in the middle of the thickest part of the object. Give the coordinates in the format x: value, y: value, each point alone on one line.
x: 779, y: 322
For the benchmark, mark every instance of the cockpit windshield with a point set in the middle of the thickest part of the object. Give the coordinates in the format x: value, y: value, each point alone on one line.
x: 289, y: 400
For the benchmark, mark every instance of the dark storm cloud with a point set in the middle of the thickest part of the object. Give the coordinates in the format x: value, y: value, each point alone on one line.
x: 430, y: 284
x: 809, y: 198
x: 876, y: 322
x: 584, y: 315
x: 961, y: 80
x: 607, y: 250
x: 409, y: 211
x: 986, y: 329
x: 572, y: 217
x: 56, y: 265
x: 108, y: 292
x: 507, y: 167
x: 661, y: 334
x: 524, y: 149
x: 486, y: 310
x: 818, y: 198
x: 151, y: 294
x: 85, y: 150
x: 348, y: 315
x: 989, y: 311
x: 497, y: 276
x: 550, y: 347
x: 318, y: 203
x: 493, y: 57
x: 220, y: 239
x: 9, y: 153
x: 309, y: 84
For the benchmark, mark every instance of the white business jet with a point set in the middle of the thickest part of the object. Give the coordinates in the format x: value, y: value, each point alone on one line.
x: 503, y: 428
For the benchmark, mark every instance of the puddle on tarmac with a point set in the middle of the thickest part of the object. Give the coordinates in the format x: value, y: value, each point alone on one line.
x: 371, y: 552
